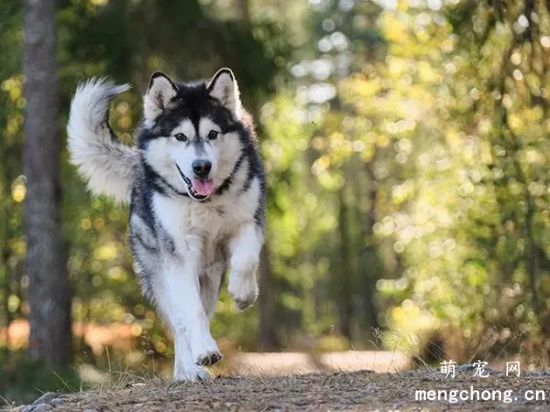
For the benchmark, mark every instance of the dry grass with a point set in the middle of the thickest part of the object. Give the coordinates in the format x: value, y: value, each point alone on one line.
x: 361, y: 390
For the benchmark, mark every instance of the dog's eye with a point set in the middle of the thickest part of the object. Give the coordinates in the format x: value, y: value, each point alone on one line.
x: 180, y: 137
x: 212, y: 134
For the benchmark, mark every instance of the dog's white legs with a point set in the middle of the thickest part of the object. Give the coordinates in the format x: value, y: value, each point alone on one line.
x: 177, y: 293
x: 245, y: 247
x: 185, y: 369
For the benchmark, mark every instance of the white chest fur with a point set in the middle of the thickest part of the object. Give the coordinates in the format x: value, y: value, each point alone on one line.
x: 194, y: 224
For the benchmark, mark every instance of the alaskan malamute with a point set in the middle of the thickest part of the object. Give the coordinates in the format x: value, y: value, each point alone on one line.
x: 195, y: 184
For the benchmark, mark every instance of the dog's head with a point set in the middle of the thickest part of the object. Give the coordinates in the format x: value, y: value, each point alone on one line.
x: 191, y: 132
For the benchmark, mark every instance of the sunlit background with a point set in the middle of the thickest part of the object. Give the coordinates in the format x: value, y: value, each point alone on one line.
x: 407, y: 151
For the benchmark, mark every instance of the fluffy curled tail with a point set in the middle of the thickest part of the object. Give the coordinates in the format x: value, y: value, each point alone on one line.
x: 108, y: 165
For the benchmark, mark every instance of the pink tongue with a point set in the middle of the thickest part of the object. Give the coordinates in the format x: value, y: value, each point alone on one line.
x: 203, y: 187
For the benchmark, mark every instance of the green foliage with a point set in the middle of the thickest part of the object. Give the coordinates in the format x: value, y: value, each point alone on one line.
x: 474, y: 234
x: 429, y: 173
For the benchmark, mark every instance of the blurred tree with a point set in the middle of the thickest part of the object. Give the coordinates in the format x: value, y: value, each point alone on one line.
x: 344, y: 41
x: 46, y: 262
x: 508, y: 109
x: 507, y: 93
x: 474, y: 229
x: 11, y: 249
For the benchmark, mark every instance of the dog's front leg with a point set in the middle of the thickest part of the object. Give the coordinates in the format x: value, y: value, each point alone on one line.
x: 245, y: 247
x: 181, y: 303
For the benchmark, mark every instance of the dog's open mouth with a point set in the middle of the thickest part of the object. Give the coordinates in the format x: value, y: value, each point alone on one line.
x: 198, y: 189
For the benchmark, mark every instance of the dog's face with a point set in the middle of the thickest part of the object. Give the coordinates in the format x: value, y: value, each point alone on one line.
x: 191, y: 138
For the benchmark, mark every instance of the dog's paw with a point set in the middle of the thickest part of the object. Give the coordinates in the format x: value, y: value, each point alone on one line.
x: 190, y: 372
x: 210, y: 359
x: 205, y: 351
x: 243, y: 290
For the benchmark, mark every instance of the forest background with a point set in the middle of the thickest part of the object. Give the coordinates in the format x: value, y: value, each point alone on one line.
x: 406, y: 145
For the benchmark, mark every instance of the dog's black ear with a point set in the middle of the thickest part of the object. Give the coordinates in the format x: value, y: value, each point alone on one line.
x: 224, y: 88
x: 161, y: 90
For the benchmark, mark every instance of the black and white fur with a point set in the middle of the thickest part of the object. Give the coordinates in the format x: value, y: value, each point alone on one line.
x: 196, y: 189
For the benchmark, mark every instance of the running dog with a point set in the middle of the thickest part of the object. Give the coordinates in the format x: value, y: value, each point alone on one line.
x: 195, y: 184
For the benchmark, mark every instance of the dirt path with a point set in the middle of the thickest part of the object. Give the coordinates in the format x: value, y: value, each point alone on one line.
x: 363, y: 390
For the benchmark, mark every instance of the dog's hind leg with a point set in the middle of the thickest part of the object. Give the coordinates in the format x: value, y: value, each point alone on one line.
x: 210, y: 284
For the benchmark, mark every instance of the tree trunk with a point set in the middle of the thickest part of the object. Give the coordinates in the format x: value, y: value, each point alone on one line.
x: 369, y: 256
x: 46, y: 266
x: 268, y: 335
x: 244, y: 10
x: 345, y: 276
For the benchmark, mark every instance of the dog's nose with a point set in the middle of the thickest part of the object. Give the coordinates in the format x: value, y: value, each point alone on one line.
x: 201, y: 167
